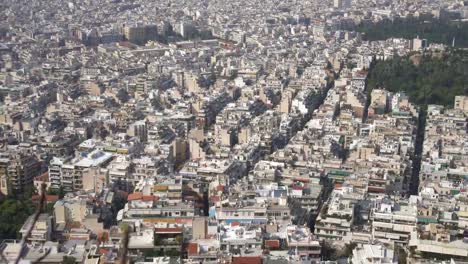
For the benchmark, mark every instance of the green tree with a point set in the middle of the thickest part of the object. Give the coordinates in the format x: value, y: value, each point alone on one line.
x: 402, y: 255
x: 436, y: 30
x: 68, y: 260
x: 17, y: 209
x: 59, y: 192
x: 426, y: 79
x: 123, y: 95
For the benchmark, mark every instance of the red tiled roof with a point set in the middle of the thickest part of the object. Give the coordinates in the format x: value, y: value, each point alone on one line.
x: 135, y: 196
x: 302, y: 179
x: 272, y: 243
x: 192, y: 248
x: 376, y: 189
x: 246, y: 260
x: 235, y: 223
x: 103, y: 251
x: 362, y: 72
x: 103, y: 236
x: 43, y: 177
x: 148, y: 198
x: 125, y: 44
x: 49, y: 198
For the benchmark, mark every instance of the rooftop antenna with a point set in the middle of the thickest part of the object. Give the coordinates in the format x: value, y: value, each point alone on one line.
x: 453, y: 42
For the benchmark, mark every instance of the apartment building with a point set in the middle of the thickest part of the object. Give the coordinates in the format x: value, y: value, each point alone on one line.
x: 394, y: 221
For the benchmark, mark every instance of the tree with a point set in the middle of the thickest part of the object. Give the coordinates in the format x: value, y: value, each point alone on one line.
x: 67, y: 78
x: 179, y: 239
x: 18, y: 209
x: 329, y: 252
x: 435, y: 30
x: 123, y: 95
x: 172, y: 252
x: 68, y: 260
x: 434, y: 79
x: 151, y: 253
x: 118, y: 202
x: 402, y: 255
x: 348, y: 251
x: 333, y: 252
x: 60, y: 192
x: 110, y: 102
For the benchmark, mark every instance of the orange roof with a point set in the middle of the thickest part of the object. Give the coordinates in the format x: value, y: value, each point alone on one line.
x: 272, y: 243
x: 43, y: 177
x: 192, y: 248
x: 135, y: 196
x: 296, y: 187
x: 103, y: 251
x: 148, y: 198
x: 375, y: 189
x: 362, y: 72
x: 103, y: 236
x: 49, y: 198
x: 247, y: 260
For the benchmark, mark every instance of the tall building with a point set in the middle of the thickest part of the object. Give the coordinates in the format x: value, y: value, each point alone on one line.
x: 200, y: 227
x: 461, y: 103
x: 167, y: 29
x: 69, y: 211
x: 418, y: 44
x: 337, y: 3
x: 4, y: 184
x: 55, y: 172
x: 138, y: 129
x: 71, y: 174
x: 140, y: 34
x: 340, y: 4
x: 17, y: 171
x: 187, y: 30
x: 111, y: 35
x: 180, y: 151
x: 285, y: 104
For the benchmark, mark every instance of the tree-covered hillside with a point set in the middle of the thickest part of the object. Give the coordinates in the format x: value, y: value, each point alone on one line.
x: 426, y: 27
x: 427, y: 78
x: 13, y: 214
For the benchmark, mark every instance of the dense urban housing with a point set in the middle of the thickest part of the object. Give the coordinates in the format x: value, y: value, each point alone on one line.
x: 236, y: 132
